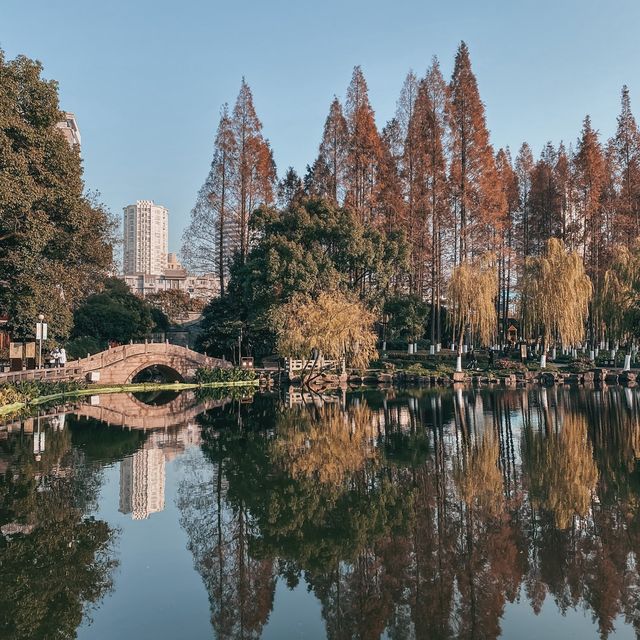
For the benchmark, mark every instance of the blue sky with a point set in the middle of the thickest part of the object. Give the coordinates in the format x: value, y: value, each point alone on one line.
x: 146, y: 78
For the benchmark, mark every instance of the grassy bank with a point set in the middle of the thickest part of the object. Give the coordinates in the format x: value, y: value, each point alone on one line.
x: 95, y: 390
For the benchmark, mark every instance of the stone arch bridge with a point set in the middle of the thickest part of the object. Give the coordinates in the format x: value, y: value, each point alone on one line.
x: 120, y: 365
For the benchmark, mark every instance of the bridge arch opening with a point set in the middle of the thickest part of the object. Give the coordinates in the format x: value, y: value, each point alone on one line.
x: 156, y: 398
x: 157, y: 373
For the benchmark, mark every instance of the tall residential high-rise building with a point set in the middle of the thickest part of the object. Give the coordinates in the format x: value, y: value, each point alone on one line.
x: 146, y: 238
x: 69, y: 128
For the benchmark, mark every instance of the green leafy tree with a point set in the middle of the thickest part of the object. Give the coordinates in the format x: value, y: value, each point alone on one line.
x: 308, y: 247
x: 174, y: 304
x: 117, y: 314
x: 55, y: 242
x: 407, y: 315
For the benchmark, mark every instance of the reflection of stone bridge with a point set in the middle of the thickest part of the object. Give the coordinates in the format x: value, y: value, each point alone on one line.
x: 125, y: 410
x: 120, y: 365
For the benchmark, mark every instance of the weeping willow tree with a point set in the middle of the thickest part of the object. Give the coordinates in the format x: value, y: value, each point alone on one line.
x: 556, y: 293
x: 330, y: 326
x: 472, y: 294
x: 619, y: 300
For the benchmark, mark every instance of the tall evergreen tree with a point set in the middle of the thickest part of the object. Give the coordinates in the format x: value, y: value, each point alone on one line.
x: 473, y: 173
x: 255, y: 171
x: 364, y: 150
x: 626, y: 144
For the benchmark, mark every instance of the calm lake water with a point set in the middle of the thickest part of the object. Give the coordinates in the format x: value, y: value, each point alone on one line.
x: 382, y: 514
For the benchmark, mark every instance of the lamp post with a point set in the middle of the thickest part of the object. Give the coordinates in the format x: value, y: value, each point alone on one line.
x: 41, y: 334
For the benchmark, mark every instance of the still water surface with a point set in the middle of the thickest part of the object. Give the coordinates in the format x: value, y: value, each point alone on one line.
x: 393, y: 514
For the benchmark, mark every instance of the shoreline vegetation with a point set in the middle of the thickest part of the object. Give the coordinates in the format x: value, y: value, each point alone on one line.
x: 19, y: 396
x: 8, y: 409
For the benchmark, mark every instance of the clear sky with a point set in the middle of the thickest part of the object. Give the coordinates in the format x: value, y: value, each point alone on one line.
x: 146, y: 78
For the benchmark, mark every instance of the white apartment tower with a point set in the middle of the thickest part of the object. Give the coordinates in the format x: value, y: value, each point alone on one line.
x: 146, y: 238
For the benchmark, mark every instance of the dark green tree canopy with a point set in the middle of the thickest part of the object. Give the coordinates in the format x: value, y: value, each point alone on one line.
x: 406, y: 317
x: 308, y: 247
x: 55, y: 242
x: 117, y: 314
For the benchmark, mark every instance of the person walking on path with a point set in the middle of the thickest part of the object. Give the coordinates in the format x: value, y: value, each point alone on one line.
x: 63, y: 357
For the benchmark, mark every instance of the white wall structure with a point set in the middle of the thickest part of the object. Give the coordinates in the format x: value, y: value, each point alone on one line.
x: 69, y: 127
x: 198, y: 287
x: 146, y: 238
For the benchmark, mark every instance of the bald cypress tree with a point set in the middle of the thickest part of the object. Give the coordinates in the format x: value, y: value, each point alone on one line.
x: 590, y: 176
x: 427, y: 131
x: 563, y: 180
x: 590, y: 179
x: 506, y: 243
x: 473, y: 175
x: 207, y: 241
x: 364, y: 150
x: 412, y: 216
x: 626, y: 145
x: 329, y: 177
x: 255, y: 171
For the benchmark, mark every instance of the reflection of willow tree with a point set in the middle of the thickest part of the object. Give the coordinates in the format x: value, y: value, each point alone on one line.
x: 329, y: 448
x: 477, y: 475
x: 585, y: 534
x: 51, y: 575
x: 214, y: 512
x: 562, y: 470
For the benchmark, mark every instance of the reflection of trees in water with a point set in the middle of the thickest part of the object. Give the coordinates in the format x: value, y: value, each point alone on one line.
x: 423, y: 514
x: 61, y: 567
x: 216, y: 517
x: 329, y: 447
x: 561, y: 470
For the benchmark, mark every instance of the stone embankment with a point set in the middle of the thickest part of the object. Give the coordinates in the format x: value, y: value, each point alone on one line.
x: 480, y: 378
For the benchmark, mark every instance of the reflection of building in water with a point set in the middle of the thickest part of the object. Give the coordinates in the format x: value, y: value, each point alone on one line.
x: 142, y: 475
x: 142, y: 483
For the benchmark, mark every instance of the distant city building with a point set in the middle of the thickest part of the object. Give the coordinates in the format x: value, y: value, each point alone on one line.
x: 69, y: 128
x: 199, y: 287
x: 174, y: 277
x: 146, y: 238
